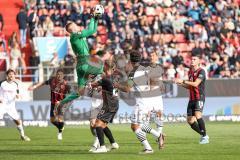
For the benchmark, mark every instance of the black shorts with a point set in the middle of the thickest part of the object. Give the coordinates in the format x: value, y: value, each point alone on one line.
x: 108, y: 111
x: 194, y: 106
x: 52, y: 110
x: 58, y: 111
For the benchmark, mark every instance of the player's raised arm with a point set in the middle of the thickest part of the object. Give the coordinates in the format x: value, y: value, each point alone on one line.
x: 92, y: 28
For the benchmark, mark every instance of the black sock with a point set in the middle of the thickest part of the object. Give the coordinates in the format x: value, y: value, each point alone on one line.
x: 109, y: 135
x: 201, y: 125
x: 55, y: 123
x: 60, y: 127
x: 195, y: 127
x: 93, y: 131
x: 100, y: 135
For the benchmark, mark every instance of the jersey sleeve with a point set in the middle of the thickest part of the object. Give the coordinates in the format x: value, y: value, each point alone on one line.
x: 92, y: 28
x: 202, y: 75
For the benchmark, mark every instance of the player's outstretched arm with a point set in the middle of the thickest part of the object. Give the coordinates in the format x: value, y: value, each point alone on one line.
x: 33, y: 87
x: 126, y: 87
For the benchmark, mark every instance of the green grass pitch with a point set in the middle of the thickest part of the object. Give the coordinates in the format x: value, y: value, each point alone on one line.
x: 181, y: 144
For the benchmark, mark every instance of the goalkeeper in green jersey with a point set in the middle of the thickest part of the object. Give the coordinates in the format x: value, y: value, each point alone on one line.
x: 87, y: 65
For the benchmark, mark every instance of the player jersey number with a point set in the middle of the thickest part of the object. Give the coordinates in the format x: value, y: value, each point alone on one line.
x: 200, y: 103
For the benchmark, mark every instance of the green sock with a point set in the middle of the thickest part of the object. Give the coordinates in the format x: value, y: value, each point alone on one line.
x: 70, y: 98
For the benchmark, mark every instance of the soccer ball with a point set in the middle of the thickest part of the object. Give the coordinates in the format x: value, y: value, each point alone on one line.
x: 99, y: 10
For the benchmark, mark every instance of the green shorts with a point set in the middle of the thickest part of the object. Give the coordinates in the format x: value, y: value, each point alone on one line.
x: 84, y: 69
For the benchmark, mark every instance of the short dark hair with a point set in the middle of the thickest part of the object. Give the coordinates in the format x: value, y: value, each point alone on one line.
x: 135, y: 56
x: 194, y: 54
x: 9, y: 71
x: 67, y: 26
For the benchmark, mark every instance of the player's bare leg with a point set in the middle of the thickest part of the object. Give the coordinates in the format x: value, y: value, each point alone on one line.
x: 159, y: 124
x: 21, y: 130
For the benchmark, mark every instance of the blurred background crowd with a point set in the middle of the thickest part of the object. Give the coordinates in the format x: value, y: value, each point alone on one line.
x: 171, y: 28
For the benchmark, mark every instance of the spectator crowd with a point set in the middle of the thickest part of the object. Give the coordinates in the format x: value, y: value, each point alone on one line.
x: 171, y: 28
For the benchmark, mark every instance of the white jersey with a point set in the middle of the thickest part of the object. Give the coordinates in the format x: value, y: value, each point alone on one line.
x: 140, y: 87
x: 154, y: 100
x: 96, y: 99
x: 141, y: 82
x: 8, y: 92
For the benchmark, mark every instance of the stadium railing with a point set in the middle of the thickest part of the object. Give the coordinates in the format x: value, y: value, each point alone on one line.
x: 42, y: 73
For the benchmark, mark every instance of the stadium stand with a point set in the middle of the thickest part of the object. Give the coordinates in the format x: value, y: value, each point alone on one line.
x: 211, y: 28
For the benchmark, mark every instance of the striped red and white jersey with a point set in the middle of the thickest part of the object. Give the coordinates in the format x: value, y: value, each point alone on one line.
x: 197, y: 93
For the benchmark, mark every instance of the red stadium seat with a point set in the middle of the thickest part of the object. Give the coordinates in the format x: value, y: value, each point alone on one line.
x: 3, y: 65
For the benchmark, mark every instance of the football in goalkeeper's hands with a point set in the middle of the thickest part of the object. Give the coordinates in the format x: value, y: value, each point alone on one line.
x: 99, y: 10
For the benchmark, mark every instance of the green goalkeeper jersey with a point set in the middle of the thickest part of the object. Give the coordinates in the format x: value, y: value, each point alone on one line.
x: 78, y: 40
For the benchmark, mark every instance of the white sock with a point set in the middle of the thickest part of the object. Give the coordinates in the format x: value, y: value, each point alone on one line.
x: 96, y: 142
x: 20, y: 129
x: 142, y: 138
x: 146, y: 128
x: 146, y: 145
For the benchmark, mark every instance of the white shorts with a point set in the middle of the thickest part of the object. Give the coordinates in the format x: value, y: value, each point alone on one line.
x: 139, y: 114
x: 10, y: 109
x: 95, y: 108
x: 154, y: 104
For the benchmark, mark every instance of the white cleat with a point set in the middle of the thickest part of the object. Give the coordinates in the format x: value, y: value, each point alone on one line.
x: 25, y: 138
x: 146, y: 151
x: 59, y: 136
x: 204, y: 140
x: 113, y: 146
x: 95, y: 146
x: 101, y: 149
x: 92, y: 149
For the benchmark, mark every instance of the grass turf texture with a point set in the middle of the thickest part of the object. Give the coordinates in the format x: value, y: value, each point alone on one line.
x: 181, y: 144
